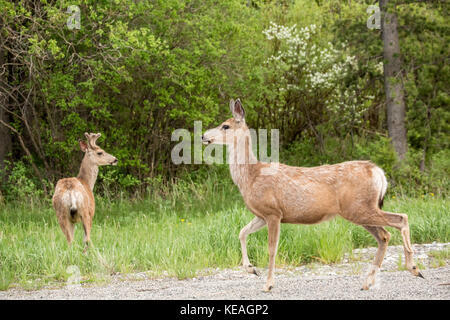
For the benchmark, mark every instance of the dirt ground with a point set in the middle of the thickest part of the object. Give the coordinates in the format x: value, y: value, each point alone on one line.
x: 341, y: 281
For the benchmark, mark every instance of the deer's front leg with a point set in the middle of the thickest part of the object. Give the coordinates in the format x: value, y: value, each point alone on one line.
x: 253, y: 226
x: 273, y: 224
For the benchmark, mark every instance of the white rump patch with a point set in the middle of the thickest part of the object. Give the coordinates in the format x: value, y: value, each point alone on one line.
x: 72, y: 199
x: 76, y: 199
x: 379, y: 180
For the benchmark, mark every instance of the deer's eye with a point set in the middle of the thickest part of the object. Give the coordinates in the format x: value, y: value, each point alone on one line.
x: 100, y: 153
x: 225, y: 127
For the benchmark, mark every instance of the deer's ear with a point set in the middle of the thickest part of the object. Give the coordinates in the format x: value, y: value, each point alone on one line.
x: 238, y: 110
x: 232, y: 106
x: 83, y: 145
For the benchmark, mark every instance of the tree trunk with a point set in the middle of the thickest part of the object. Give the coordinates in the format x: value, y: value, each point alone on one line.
x: 5, y: 134
x: 5, y: 139
x: 393, y: 80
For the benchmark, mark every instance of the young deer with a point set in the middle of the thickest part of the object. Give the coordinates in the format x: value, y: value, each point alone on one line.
x: 354, y: 190
x: 73, y: 199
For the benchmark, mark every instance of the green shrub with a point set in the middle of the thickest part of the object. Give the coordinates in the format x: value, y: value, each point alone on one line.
x: 21, y: 182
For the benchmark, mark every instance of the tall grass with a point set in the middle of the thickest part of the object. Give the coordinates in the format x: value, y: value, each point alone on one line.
x: 179, y: 230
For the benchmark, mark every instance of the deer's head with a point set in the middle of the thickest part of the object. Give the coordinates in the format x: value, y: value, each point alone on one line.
x: 230, y: 130
x: 95, y: 154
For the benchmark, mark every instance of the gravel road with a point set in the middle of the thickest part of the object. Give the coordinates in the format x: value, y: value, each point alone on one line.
x: 313, y: 281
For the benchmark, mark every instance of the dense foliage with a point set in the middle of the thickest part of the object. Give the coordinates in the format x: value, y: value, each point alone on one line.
x: 137, y: 70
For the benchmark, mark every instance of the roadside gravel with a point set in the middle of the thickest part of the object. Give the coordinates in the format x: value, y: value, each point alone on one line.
x: 312, y: 281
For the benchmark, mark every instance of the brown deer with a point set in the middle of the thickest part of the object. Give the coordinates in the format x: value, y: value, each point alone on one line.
x: 285, y: 194
x: 73, y: 199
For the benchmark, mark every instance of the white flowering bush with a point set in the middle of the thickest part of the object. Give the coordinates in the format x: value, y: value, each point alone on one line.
x: 312, y: 77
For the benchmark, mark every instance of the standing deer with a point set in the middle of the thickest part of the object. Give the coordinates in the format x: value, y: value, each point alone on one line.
x: 73, y: 199
x: 354, y: 190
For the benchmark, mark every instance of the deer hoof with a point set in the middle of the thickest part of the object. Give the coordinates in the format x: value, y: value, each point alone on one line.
x: 251, y: 269
x: 415, y: 271
x: 268, y: 287
x: 370, y: 281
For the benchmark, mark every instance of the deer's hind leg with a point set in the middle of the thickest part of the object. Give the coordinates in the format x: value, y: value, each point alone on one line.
x: 400, y: 221
x: 382, y: 237
x: 379, y: 218
x: 86, y: 219
x: 67, y: 227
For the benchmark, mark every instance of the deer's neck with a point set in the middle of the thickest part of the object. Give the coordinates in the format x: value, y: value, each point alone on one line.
x: 241, y: 160
x: 88, y: 173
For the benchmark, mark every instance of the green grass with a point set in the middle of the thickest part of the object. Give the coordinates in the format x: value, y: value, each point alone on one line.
x: 179, y: 232
x: 439, y: 257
